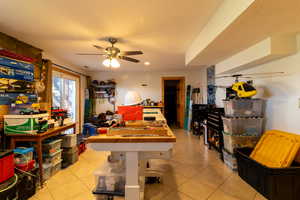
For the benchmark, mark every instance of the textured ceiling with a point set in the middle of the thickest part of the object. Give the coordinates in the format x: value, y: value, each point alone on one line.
x: 162, y: 29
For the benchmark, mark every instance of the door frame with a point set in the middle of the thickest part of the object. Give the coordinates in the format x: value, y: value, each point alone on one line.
x: 181, y: 80
x: 79, y: 127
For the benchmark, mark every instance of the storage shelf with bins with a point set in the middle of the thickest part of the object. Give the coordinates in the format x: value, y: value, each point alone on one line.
x: 103, y: 91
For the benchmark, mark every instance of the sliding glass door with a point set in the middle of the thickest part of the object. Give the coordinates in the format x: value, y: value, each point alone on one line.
x: 65, y: 94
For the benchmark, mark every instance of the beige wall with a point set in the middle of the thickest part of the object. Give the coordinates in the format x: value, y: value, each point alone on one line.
x: 282, y: 93
x: 133, y: 80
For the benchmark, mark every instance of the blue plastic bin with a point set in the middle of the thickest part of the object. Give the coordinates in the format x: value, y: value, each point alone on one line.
x: 89, y: 129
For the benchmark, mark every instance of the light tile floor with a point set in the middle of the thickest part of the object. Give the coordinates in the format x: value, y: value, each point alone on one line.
x: 193, y: 173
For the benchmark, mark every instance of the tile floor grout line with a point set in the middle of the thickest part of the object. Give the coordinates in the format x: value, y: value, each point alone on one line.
x: 198, y: 158
x: 219, y: 187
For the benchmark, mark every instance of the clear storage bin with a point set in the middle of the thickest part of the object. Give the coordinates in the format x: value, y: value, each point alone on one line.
x: 229, y: 160
x: 53, y: 146
x: 23, y: 155
x: 235, y: 141
x: 69, y: 140
x: 47, y: 171
x: 244, y: 107
x: 70, y: 156
x: 243, y: 126
x: 53, y: 158
x: 108, y: 197
x: 56, y: 168
x: 110, y: 180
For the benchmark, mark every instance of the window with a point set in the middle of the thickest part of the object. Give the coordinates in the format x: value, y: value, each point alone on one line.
x: 248, y: 87
x: 65, y: 93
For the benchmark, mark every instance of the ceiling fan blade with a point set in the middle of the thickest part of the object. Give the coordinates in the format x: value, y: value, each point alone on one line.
x: 90, y: 54
x: 98, y: 47
x: 129, y: 59
x: 131, y: 53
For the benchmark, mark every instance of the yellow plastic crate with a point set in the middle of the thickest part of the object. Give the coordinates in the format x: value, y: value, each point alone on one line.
x: 276, y: 149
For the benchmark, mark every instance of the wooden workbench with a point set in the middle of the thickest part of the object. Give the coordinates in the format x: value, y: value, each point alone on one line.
x: 161, y: 108
x: 38, y: 138
x: 133, y: 146
x: 103, y: 138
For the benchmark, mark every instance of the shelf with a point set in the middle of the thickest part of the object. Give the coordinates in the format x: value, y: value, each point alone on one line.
x: 103, y: 86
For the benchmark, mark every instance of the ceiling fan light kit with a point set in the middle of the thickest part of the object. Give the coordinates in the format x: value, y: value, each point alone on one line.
x: 113, y: 53
x: 111, y: 62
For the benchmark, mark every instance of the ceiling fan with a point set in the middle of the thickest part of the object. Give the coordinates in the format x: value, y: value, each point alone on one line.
x: 113, y: 53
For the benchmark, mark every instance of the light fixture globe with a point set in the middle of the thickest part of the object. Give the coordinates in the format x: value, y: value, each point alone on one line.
x: 111, y: 62
x: 114, y: 63
x: 106, y: 62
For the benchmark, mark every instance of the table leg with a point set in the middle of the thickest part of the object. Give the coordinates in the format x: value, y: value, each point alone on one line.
x: 12, y: 143
x: 132, y: 187
x: 40, y: 160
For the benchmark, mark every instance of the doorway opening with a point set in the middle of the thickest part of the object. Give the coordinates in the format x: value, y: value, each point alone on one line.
x: 173, y: 93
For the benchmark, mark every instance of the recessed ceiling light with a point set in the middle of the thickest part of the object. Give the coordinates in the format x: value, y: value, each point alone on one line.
x: 147, y: 63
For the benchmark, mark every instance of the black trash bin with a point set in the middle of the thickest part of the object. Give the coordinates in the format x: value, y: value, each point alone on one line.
x: 272, y: 183
x: 8, y: 189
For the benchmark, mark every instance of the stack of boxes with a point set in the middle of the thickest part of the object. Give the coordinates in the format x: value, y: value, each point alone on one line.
x: 70, y: 150
x: 52, y: 154
x: 243, y: 124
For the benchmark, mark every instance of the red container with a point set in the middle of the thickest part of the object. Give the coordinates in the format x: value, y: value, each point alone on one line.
x: 131, y: 112
x: 7, y: 165
x: 26, y: 167
x: 102, y: 130
x: 81, y: 148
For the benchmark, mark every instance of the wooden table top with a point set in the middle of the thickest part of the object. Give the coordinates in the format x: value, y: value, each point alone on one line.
x: 48, y: 132
x: 153, y: 106
x: 103, y: 138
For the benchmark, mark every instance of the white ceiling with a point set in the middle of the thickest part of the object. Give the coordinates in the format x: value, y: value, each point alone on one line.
x: 162, y: 29
x: 264, y: 18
